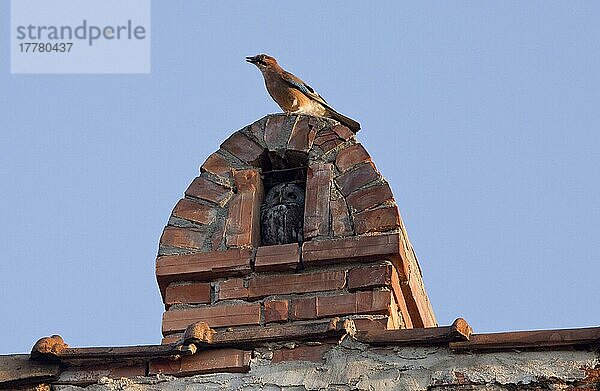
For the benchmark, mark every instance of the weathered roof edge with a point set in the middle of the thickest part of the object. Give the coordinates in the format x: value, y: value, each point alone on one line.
x: 51, y: 356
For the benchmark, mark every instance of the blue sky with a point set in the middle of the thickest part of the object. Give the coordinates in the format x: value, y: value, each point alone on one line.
x: 483, y: 116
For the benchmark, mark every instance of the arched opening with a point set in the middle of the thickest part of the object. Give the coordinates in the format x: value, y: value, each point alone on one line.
x: 282, y: 210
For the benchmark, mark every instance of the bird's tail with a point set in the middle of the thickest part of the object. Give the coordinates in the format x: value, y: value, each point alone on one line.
x: 349, y: 122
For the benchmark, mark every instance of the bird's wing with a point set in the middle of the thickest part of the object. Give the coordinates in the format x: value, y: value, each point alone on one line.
x: 307, y: 90
x: 297, y: 83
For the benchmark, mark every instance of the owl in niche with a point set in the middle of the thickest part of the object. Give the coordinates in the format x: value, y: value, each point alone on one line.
x: 282, y: 214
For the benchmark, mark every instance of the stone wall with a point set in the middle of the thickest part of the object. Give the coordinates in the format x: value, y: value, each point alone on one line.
x: 355, y: 366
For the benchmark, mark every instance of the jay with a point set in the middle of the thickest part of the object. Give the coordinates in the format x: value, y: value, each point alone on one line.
x: 293, y: 95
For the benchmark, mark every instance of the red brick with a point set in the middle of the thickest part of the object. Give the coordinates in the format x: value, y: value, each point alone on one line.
x: 289, y: 331
x: 328, y: 146
x: 340, y: 218
x: 369, y: 197
x: 318, y: 192
x: 312, y: 353
x: 417, y: 301
x: 86, y: 375
x: 208, y: 361
x: 244, y: 148
x: 171, y: 338
x: 304, y: 308
x: 243, y: 222
x: 400, y: 300
x: 367, y: 248
x: 216, y: 164
x: 208, y: 190
x: 326, y: 135
x: 377, y: 220
x: 194, y: 211
x: 592, y: 376
x: 202, y: 266
x: 195, y: 293
x: 261, y: 286
x: 369, y: 302
x: 233, y: 288
x: 351, y: 156
x: 277, y: 131
x: 411, y: 281
x: 364, y: 248
x: 356, y: 178
x: 276, y: 311
x: 182, y: 238
x: 215, y: 316
x: 357, y: 303
x: 277, y: 258
x: 327, y: 140
x: 248, y: 179
x: 303, y: 134
x: 367, y: 324
x: 370, y: 277
x: 343, y: 132
x: 394, y: 320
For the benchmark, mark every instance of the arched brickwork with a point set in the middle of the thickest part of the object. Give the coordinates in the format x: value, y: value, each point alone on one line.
x: 213, y: 234
x: 342, y: 182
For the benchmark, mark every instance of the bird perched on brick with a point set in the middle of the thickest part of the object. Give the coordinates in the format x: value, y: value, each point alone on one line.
x: 293, y: 95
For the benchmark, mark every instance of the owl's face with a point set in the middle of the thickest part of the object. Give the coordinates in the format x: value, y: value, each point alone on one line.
x: 285, y: 193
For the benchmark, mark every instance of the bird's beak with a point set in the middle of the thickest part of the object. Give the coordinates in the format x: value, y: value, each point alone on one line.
x: 252, y: 60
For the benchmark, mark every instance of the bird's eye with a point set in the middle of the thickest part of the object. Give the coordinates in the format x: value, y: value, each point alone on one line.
x: 292, y: 196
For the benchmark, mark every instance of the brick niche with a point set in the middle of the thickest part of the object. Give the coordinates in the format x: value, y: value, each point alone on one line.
x: 355, y: 261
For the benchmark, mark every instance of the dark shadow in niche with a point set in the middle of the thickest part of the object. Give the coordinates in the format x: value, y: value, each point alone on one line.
x: 282, y: 211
